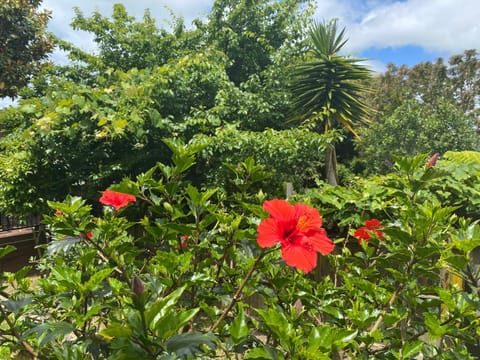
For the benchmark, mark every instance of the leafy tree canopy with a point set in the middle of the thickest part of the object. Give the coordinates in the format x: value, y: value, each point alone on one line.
x: 414, y: 129
x: 250, y: 32
x: 24, y: 43
x: 430, y: 82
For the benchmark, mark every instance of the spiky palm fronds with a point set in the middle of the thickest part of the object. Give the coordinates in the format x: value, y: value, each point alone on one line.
x: 329, y: 87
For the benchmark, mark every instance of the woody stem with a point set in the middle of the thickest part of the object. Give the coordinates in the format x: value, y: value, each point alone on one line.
x: 237, y: 294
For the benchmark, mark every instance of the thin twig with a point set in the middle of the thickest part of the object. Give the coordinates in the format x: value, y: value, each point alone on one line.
x: 26, y: 345
x: 236, y: 296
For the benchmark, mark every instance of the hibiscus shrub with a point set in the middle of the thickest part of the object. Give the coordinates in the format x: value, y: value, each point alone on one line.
x: 380, y: 269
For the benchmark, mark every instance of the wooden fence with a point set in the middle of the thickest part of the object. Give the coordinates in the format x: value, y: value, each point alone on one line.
x: 8, y: 223
x: 23, y: 233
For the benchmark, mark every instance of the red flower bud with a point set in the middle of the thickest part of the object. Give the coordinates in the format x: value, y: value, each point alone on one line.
x: 137, y: 286
x: 433, y: 160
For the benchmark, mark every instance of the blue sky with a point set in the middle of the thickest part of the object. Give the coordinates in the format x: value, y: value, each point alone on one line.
x: 384, y: 31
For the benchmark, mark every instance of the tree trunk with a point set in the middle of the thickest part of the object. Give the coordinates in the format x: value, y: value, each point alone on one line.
x: 331, y: 174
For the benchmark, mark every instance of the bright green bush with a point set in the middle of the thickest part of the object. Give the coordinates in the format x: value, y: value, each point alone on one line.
x: 295, y: 156
x: 179, y: 274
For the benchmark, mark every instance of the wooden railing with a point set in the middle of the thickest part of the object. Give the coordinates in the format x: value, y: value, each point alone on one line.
x: 8, y: 223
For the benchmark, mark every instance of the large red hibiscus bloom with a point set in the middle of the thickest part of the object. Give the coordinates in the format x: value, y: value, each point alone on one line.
x: 116, y: 199
x: 298, y: 228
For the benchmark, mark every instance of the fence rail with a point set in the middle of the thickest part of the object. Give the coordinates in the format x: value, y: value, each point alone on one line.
x: 8, y: 223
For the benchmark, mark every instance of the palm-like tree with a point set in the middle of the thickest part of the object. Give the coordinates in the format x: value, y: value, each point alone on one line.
x: 327, y: 88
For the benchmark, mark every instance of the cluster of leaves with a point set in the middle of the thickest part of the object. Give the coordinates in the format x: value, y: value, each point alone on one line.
x: 159, y: 279
x: 293, y: 156
x: 414, y: 129
x: 24, y: 43
x: 103, y: 116
x: 429, y: 107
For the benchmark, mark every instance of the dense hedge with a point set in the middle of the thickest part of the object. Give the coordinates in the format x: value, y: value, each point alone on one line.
x: 294, y: 155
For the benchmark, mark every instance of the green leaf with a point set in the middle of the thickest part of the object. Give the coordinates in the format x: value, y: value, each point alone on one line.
x: 263, y: 353
x: 63, y: 245
x: 116, y: 330
x: 321, y: 338
x: 239, y: 328
x: 411, y: 349
x: 188, y: 345
x: 278, y: 323
x: 435, y: 329
x: 51, y: 331
x: 96, y: 279
x: 161, y: 308
x: 5, y: 250
x: 15, y: 305
x: 171, y: 323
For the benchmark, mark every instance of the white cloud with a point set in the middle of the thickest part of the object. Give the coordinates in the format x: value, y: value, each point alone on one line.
x: 448, y: 26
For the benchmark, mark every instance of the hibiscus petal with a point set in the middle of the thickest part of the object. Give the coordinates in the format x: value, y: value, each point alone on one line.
x: 373, y: 223
x: 299, y: 256
x: 281, y: 210
x: 269, y: 233
x: 308, y: 218
x: 320, y: 242
x: 362, y: 233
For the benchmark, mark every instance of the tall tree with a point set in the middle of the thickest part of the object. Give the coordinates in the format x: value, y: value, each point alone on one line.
x: 249, y: 32
x: 327, y: 88
x: 125, y: 43
x: 465, y: 72
x: 457, y: 81
x: 24, y: 43
x: 414, y: 128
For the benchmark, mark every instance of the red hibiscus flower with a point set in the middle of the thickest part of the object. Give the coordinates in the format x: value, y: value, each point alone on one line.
x: 371, y: 227
x: 116, y: 199
x: 298, y: 229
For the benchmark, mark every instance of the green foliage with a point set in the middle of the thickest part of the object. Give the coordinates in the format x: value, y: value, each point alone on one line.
x: 78, y: 139
x: 168, y: 118
x: 24, y: 43
x: 327, y: 87
x: 463, y: 157
x: 431, y: 83
x: 250, y: 33
x: 294, y: 156
x: 156, y: 280
x: 413, y: 129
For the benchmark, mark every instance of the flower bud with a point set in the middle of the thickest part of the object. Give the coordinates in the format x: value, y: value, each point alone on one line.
x: 137, y: 286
